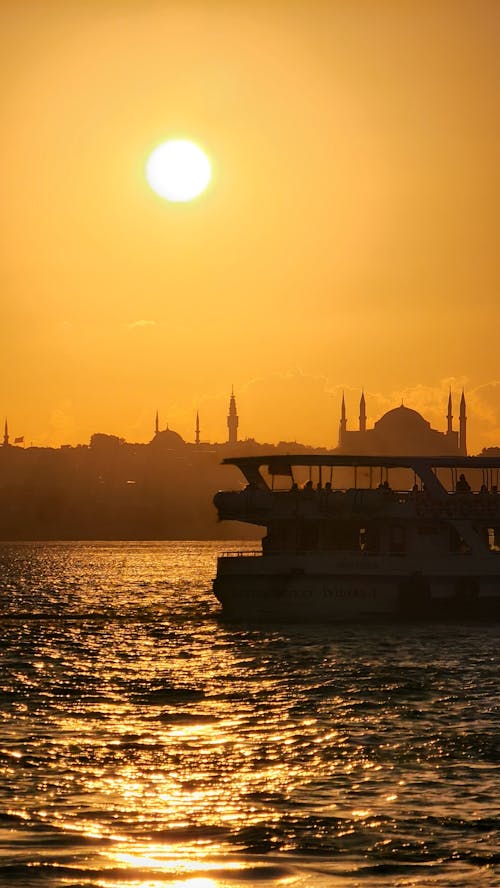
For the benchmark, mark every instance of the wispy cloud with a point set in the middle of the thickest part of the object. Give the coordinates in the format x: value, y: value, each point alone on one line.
x: 141, y: 323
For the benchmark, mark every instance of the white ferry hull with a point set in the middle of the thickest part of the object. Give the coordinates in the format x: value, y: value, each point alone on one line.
x: 317, y: 589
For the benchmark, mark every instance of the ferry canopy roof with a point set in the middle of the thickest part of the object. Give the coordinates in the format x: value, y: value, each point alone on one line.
x: 282, y: 464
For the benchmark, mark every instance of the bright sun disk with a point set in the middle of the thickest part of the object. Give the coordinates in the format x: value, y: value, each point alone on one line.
x: 178, y: 170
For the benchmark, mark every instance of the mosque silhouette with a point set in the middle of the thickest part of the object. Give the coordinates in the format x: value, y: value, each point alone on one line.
x: 404, y: 432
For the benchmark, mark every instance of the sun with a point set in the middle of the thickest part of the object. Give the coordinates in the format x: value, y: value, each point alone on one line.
x: 178, y: 170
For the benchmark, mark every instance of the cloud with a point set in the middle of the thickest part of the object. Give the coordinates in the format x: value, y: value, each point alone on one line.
x: 141, y: 323
x: 483, y: 405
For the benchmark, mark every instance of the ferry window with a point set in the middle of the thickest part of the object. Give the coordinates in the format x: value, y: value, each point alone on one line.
x: 426, y: 528
x: 340, y: 535
x: 397, y: 539
x: 308, y: 536
x: 456, y: 543
x: 369, y: 539
x: 277, y: 537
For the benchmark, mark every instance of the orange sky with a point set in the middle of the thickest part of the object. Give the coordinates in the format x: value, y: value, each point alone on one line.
x: 349, y: 238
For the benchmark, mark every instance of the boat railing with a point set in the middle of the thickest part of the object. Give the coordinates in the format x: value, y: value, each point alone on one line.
x: 367, y: 554
x: 240, y: 553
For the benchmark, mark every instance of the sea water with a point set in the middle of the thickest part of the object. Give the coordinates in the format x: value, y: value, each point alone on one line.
x: 145, y: 743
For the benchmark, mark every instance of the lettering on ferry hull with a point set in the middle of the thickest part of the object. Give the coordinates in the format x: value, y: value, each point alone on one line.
x: 340, y: 592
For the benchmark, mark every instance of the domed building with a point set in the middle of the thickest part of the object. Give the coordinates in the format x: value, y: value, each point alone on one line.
x: 403, y: 432
x: 166, y: 439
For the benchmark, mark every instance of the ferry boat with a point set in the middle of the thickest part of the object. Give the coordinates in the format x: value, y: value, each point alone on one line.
x: 363, y: 538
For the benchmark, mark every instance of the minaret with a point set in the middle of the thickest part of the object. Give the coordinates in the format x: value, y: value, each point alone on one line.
x: 362, y: 413
x: 450, y: 416
x: 157, y: 424
x: 197, y: 429
x: 232, y: 420
x: 343, y: 422
x: 462, y: 427
x: 6, y: 435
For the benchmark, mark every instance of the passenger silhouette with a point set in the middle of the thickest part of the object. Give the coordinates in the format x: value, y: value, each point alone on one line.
x: 463, y: 485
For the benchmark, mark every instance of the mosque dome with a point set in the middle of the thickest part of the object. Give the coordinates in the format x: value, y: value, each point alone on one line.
x: 168, y: 440
x: 401, y: 419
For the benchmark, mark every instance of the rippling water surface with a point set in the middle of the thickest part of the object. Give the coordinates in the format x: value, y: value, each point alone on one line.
x: 146, y: 744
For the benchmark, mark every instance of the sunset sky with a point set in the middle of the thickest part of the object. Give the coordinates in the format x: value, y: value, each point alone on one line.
x: 349, y: 238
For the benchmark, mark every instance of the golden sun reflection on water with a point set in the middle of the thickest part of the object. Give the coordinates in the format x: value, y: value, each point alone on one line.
x: 189, y: 791
x: 185, y: 866
x: 188, y: 794
x: 197, y: 882
x: 176, y: 859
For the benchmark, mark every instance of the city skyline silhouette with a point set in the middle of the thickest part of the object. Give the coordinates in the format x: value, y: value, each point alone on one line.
x: 110, y: 488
